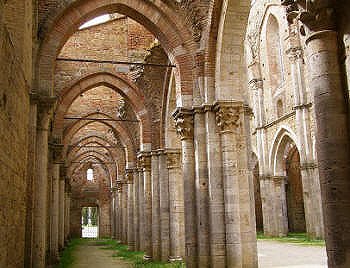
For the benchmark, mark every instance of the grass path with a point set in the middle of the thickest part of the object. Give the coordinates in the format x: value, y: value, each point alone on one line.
x: 93, y: 254
x: 106, y: 253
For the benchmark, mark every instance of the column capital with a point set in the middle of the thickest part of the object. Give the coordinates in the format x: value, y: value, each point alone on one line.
x: 308, y: 165
x: 119, y: 186
x: 184, y: 123
x: 56, y: 150
x: 294, y: 53
x: 129, y: 177
x: 144, y: 160
x: 256, y: 84
x: 114, y: 189
x: 228, y: 115
x: 67, y: 185
x: 279, y: 179
x: 63, y: 172
x: 316, y: 15
x: 173, y: 159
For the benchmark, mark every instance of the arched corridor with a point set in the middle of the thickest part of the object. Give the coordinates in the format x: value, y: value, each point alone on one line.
x: 136, y: 121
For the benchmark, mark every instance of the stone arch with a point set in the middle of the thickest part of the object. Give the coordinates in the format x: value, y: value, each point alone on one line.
x: 115, y: 82
x: 230, y: 71
x: 282, y: 137
x: 165, y: 23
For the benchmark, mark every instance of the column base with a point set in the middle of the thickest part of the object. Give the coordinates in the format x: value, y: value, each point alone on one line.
x: 147, y: 257
x: 173, y: 259
x: 131, y: 247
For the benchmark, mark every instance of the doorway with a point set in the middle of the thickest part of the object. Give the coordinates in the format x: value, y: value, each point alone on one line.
x: 294, y: 192
x: 89, y: 222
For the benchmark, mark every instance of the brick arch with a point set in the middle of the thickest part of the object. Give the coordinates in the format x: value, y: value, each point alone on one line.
x: 118, y: 157
x: 90, y: 140
x: 117, y: 127
x: 230, y: 71
x: 118, y: 83
x: 168, y: 25
x: 84, y: 157
x: 98, y: 156
x: 103, y: 150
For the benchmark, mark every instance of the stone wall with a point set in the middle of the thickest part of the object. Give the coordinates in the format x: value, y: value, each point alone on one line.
x: 16, y: 22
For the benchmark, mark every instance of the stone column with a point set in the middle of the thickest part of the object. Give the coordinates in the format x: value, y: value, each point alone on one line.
x: 113, y: 212
x: 141, y: 209
x: 332, y: 119
x: 56, y: 151
x: 155, y: 206
x: 216, y: 192
x: 125, y: 212
x: 202, y: 185
x: 62, y: 211
x: 279, y: 205
x: 119, y: 210
x: 136, y: 209
x: 176, y: 201
x: 40, y: 186
x: 310, y: 180
x: 164, y: 207
x: 184, y: 128
x: 241, y: 249
x: 145, y: 161
x: 130, y: 185
x: 67, y: 213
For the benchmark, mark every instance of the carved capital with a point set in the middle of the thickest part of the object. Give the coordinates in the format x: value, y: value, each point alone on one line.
x: 279, y: 179
x: 308, y: 166
x: 56, y: 149
x: 119, y: 186
x: 316, y: 15
x: 129, y: 177
x: 114, y: 189
x: 184, y: 123
x: 63, y: 172
x: 228, y: 116
x: 145, y: 160
x: 295, y: 53
x: 67, y: 186
x: 173, y: 159
x: 256, y: 84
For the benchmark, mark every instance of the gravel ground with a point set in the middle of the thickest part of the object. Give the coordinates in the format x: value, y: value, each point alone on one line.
x: 287, y: 255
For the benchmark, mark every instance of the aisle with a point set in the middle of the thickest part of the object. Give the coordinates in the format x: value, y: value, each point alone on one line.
x: 91, y: 254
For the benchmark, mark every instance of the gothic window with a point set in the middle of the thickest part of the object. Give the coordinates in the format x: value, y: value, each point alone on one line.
x: 274, y: 53
x: 90, y: 174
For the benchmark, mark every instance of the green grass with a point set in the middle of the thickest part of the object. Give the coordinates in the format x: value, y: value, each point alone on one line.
x: 295, y: 238
x: 136, y: 257
x: 66, y: 258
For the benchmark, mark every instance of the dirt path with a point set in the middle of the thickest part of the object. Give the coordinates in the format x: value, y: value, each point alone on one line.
x: 92, y: 255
